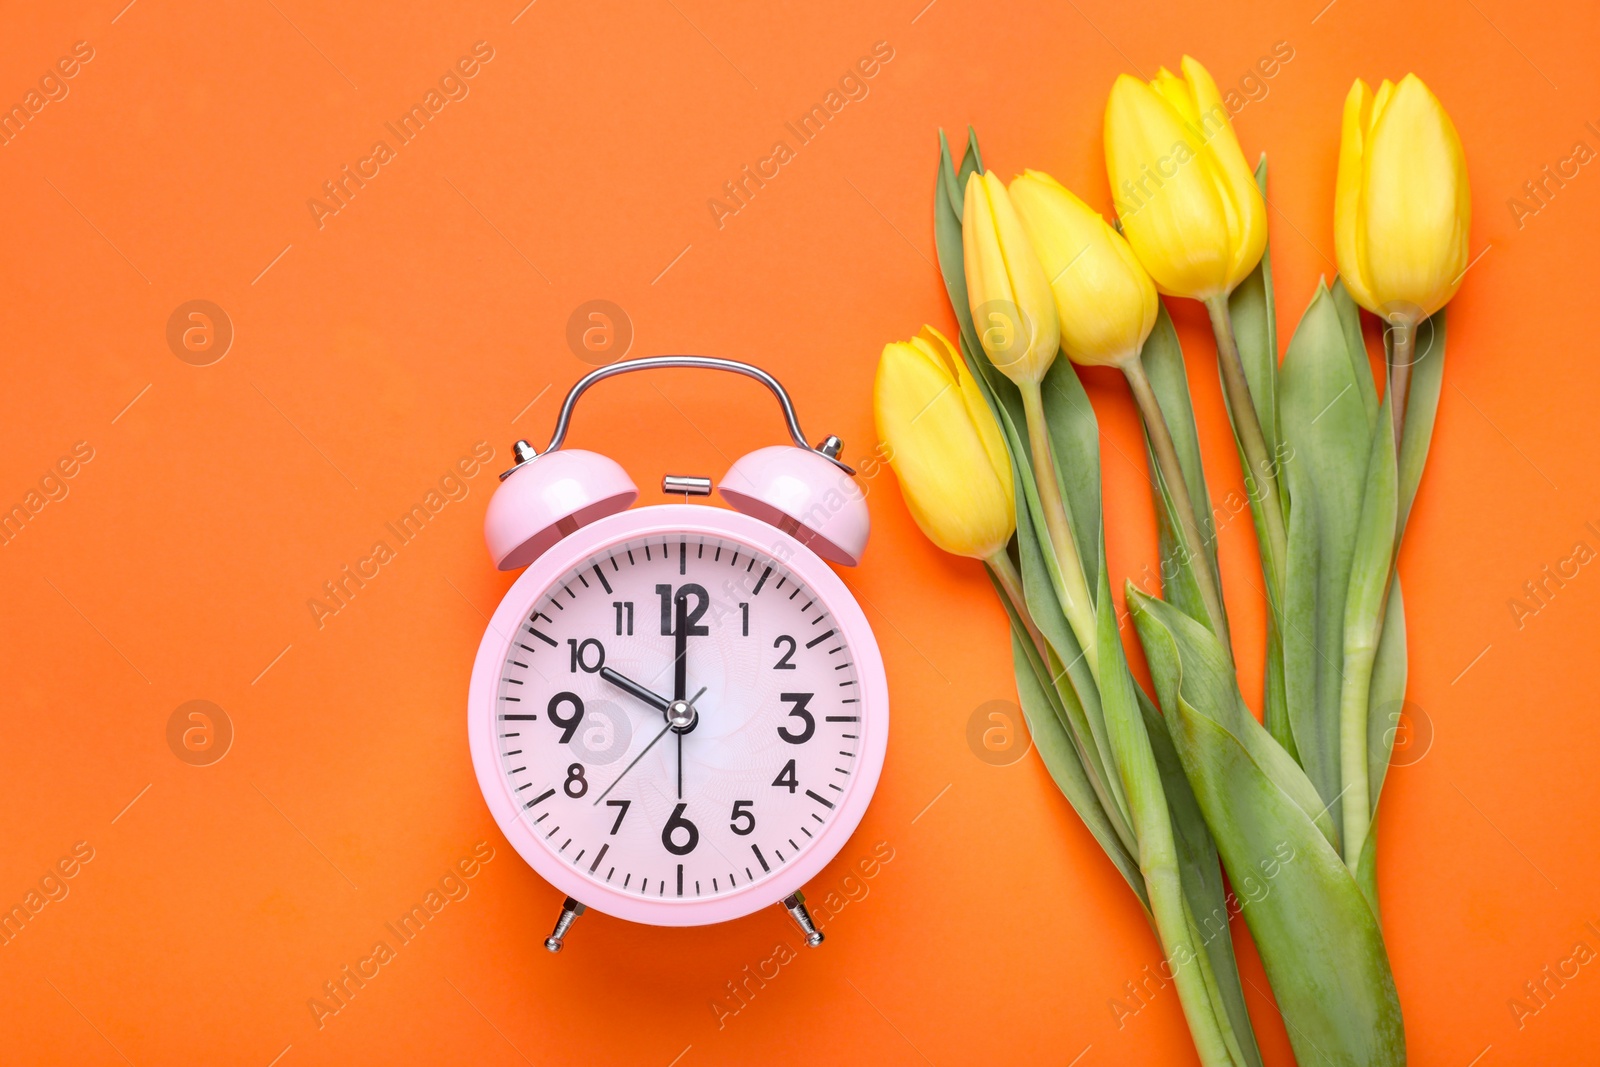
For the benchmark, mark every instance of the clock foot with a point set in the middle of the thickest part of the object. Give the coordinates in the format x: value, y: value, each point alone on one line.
x: 796, y: 903
x: 570, y: 910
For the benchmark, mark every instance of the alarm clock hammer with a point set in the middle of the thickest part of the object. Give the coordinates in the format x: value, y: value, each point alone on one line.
x: 776, y: 754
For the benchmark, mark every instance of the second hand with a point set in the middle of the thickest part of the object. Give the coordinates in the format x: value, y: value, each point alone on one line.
x: 647, y: 748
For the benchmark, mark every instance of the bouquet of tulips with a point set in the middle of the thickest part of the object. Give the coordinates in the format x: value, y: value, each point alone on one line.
x: 995, y: 445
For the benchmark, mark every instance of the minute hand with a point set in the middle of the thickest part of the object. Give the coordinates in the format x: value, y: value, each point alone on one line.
x: 680, y: 670
x: 680, y: 663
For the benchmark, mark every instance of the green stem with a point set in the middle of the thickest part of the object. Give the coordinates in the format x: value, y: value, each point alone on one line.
x: 1214, y: 989
x: 1063, y: 561
x: 1071, y: 709
x: 1261, y: 480
x: 1005, y: 572
x: 1171, y: 470
x: 1355, y: 695
x: 1402, y: 353
x: 1158, y: 860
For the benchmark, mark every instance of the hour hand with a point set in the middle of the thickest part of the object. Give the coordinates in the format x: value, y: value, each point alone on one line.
x: 628, y: 685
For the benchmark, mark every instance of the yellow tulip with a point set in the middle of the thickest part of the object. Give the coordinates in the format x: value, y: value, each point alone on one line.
x: 1014, y: 314
x: 945, y: 446
x: 1105, y: 300
x: 1012, y: 309
x: 1188, y: 202
x: 1402, y: 204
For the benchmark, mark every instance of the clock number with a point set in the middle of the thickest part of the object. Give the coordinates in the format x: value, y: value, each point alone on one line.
x: 798, y: 710
x: 786, y: 778
x: 576, y: 784
x: 702, y: 601
x: 622, y: 809
x: 569, y: 724
x: 580, y: 655
x: 784, y: 661
x: 624, y: 609
x: 744, y: 820
x: 675, y: 823
x: 744, y: 619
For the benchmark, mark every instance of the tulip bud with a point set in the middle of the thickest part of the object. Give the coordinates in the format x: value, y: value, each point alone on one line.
x: 1105, y: 300
x: 945, y: 446
x: 1012, y: 309
x: 1188, y: 202
x: 1402, y: 205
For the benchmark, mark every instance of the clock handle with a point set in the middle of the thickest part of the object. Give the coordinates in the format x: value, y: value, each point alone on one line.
x: 828, y: 449
x: 807, y: 492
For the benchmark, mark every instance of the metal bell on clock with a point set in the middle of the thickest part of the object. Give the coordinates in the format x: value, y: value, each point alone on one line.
x: 544, y: 498
x: 804, y: 493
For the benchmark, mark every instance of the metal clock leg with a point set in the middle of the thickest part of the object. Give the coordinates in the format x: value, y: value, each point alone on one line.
x: 796, y: 903
x: 570, y: 910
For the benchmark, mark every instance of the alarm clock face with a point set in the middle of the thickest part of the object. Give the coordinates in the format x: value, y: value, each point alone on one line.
x: 687, y: 715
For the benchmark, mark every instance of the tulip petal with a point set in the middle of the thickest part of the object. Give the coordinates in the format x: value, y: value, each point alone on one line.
x: 1412, y: 198
x: 978, y: 411
x: 1348, y: 229
x: 1402, y: 206
x: 1241, y: 197
x: 1104, y: 299
x: 1170, y: 206
x: 1178, y: 93
x: 1012, y: 307
x: 955, y: 486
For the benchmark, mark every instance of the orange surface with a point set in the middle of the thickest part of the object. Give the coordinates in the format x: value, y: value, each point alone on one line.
x: 375, y: 346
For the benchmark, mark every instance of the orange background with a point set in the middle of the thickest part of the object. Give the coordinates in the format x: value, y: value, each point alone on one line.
x: 431, y: 311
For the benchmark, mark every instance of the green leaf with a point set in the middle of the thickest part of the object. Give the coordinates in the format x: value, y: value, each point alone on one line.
x: 1033, y: 544
x: 948, y: 197
x: 1208, y: 669
x: 1255, y: 330
x: 1367, y: 595
x: 1328, y: 433
x: 1048, y: 725
x: 1387, y: 693
x: 1319, y: 941
x: 1302, y: 657
x: 1388, y: 690
x: 1422, y: 405
x: 1163, y: 365
x: 1386, y: 697
x: 1148, y: 805
x: 1356, y: 347
x: 1075, y: 435
x: 1255, y: 327
x: 1203, y: 888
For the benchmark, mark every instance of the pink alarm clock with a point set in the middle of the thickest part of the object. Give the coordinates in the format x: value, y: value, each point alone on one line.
x: 678, y: 713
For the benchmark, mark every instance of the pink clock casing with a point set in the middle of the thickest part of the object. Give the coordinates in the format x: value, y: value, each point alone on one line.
x: 518, y: 604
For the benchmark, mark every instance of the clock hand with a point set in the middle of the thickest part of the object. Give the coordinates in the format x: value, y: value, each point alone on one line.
x: 680, y: 655
x: 680, y: 716
x: 628, y: 685
x: 630, y: 766
x: 680, y: 669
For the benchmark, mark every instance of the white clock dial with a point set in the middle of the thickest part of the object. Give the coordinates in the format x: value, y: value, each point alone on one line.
x: 768, y: 717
